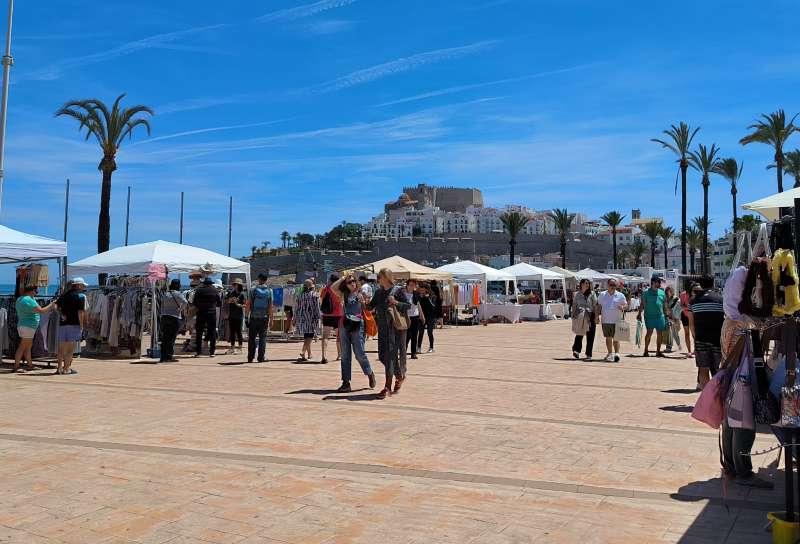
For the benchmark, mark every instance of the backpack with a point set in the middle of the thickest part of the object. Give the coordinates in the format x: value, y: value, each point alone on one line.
x: 261, y: 301
x: 327, y: 303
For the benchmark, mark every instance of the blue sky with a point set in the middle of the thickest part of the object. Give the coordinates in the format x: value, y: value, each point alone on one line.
x: 310, y: 113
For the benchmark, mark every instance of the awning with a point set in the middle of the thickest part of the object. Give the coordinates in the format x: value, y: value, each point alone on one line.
x: 525, y: 271
x: 770, y: 206
x: 136, y: 260
x: 16, y: 246
x: 403, y: 269
x: 592, y: 275
x: 470, y: 270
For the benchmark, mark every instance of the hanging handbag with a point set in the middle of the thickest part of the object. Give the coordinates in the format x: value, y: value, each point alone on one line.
x: 580, y: 323
x: 790, y: 406
x: 709, y: 407
x: 622, y: 332
x: 739, y: 407
x: 370, y: 327
x: 766, y: 408
x: 400, y: 321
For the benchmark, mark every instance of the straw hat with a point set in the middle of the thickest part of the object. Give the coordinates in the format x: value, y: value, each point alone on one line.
x: 238, y: 281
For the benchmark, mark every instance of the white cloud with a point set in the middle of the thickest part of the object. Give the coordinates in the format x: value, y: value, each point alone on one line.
x: 210, y: 129
x: 306, y: 10
x: 324, y: 28
x: 404, y: 64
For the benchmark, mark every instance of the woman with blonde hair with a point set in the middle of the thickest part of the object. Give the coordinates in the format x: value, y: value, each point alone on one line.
x: 391, y: 340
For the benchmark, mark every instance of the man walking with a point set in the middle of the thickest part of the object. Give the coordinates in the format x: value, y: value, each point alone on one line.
x: 206, y: 299
x: 612, y: 304
x: 706, y: 317
x: 261, y: 310
x: 654, y: 307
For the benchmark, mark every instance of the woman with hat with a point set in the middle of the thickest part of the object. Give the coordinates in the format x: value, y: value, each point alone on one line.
x: 236, y: 301
x: 72, y: 306
x: 173, y: 306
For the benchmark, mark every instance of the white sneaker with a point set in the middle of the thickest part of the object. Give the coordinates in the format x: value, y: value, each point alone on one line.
x: 608, y: 358
x: 616, y: 357
x: 431, y: 350
x: 576, y: 354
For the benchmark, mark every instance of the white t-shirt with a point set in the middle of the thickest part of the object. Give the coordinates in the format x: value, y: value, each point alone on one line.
x: 611, y: 306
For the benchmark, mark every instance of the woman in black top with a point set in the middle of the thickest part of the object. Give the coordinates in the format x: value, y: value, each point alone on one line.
x: 428, y: 302
x: 236, y: 301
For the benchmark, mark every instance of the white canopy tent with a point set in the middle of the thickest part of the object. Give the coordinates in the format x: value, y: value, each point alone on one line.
x: 528, y: 272
x: 472, y: 271
x: 177, y: 258
x: 770, y: 206
x: 403, y: 269
x: 592, y: 275
x: 16, y: 247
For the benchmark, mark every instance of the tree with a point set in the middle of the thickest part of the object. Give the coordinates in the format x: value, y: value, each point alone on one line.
x: 622, y: 257
x: 702, y: 224
x: 705, y: 161
x: 679, y: 141
x: 613, y: 219
x: 666, y: 234
x: 109, y: 128
x: 732, y: 171
x: 652, y: 230
x: 694, y: 237
x: 562, y: 220
x: 772, y: 130
x: 791, y: 165
x: 638, y: 250
x: 285, y: 237
x: 749, y: 223
x: 513, y: 223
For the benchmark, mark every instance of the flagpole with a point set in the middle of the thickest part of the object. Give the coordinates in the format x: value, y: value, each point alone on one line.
x: 8, y: 61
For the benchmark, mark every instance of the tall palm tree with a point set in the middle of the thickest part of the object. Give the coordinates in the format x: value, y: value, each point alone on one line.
x: 652, y: 230
x: 791, y: 165
x: 623, y: 256
x: 732, y: 171
x: 694, y: 237
x: 666, y: 234
x: 613, y: 219
x: 513, y: 222
x: 109, y: 128
x: 748, y: 222
x: 638, y: 250
x: 702, y: 224
x: 679, y: 141
x: 772, y: 130
x: 285, y: 237
x: 705, y: 161
x: 562, y: 220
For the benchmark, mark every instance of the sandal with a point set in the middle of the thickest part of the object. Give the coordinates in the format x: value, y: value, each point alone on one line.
x: 398, y: 384
x: 384, y: 393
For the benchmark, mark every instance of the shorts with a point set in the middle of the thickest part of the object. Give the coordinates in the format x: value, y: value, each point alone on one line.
x: 684, y: 319
x: 609, y: 329
x: 308, y: 336
x: 69, y: 333
x: 707, y: 356
x: 331, y: 321
x: 657, y: 323
x: 26, y: 332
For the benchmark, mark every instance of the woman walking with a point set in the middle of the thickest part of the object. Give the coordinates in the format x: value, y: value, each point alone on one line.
x: 388, y: 300
x: 307, y: 316
x: 427, y: 301
x: 173, y: 306
x: 584, y: 302
x: 417, y: 320
x: 29, y: 314
x: 351, y: 330
x: 236, y: 302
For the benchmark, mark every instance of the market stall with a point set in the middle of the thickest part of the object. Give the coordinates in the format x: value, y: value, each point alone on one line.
x: 528, y: 275
x: 597, y: 278
x: 152, y: 261
x: 404, y: 269
x: 494, y: 288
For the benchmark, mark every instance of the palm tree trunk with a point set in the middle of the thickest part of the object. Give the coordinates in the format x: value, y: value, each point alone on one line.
x: 779, y: 169
x: 614, y: 245
x: 797, y: 181
x: 653, y: 254
x: 666, y: 261
x: 104, y: 221
x: 563, y: 253
x: 684, y: 167
x: 704, y: 252
x: 735, y: 219
x: 692, y: 257
x: 511, y: 244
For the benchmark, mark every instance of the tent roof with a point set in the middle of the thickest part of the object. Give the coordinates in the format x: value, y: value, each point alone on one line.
x: 404, y: 269
x: 471, y: 269
x: 137, y: 259
x: 770, y: 206
x: 592, y: 275
x: 16, y: 246
x: 523, y: 271
x: 563, y: 271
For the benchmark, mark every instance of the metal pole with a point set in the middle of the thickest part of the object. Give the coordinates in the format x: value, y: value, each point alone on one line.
x: 180, y: 239
x: 8, y: 60
x: 66, y: 224
x: 230, y: 224
x: 128, y: 216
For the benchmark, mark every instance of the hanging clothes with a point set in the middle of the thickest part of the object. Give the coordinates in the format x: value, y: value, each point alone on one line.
x: 785, y: 280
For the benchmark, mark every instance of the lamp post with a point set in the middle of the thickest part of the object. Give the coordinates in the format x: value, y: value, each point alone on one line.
x: 8, y: 60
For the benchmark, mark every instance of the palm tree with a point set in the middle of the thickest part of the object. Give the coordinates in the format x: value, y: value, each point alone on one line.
x: 791, y: 165
x: 749, y: 223
x: 562, y: 220
x: 732, y: 171
x: 705, y: 161
x: 109, y: 128
x: 666, y: 234
x: 613, y: 219
x: 772, y: 130
x: 285, y: 237
x: 638, y: 250
x: 694, y: 237
x: 679, y: 141
x: 652, y: 230
x: 622, y: 256
x: 513, y: 223
x: 702, y: 224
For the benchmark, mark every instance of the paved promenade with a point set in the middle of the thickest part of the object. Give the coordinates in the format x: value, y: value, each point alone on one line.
x: 499, y: 437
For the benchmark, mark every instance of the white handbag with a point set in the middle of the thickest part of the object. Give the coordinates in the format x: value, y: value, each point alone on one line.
x: 622, y: 332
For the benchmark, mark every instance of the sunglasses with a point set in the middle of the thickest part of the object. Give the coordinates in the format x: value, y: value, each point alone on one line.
x: 350, y: 281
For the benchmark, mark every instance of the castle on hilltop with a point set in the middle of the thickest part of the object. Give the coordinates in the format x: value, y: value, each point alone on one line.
x: 447, y: 199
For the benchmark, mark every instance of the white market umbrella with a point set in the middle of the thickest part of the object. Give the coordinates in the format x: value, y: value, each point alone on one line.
x: 770, y: 206
x: 16, y: 246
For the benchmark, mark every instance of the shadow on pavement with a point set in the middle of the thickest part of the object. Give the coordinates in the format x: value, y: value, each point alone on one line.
x: 681, y: 391
x: 681, y: 408
x: 320, y: 392
x: 365, y: 397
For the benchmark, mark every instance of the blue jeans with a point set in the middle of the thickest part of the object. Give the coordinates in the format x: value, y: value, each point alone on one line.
x: 352, y: 342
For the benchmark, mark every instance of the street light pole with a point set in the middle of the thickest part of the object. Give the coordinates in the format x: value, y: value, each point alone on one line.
x: 8, y: 60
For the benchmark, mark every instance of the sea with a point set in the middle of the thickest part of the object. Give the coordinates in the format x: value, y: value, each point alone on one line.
x: 8, y: 289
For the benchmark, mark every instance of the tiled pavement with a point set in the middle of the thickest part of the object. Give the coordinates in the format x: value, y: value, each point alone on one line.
x: 498, y: 437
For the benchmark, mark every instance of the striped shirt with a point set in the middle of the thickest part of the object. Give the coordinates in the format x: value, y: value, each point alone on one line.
x: 709, y: 314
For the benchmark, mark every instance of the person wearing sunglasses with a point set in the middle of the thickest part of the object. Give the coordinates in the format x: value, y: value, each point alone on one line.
x: 351, y: 330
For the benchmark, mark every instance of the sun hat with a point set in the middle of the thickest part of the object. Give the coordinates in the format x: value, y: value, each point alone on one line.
x: 79, y: 281
x: 238, y: 281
